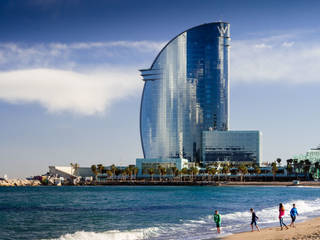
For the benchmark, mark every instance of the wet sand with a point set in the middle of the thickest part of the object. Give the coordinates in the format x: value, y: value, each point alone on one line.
x: 308, y: 230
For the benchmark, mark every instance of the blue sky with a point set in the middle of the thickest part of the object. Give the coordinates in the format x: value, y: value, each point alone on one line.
x: 70, y: 90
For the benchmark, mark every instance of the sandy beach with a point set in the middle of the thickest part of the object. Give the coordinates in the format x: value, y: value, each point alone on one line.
x: 308, y: 230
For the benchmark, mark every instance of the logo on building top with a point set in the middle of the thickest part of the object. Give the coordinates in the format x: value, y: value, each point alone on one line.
x: 223, y: 30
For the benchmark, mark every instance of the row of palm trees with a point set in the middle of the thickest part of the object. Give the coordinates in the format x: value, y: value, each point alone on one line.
x: 293, y: 166
x: 173, y: 172
x: 303, y: 166
x: 113, y: 172
x: 210, y: 171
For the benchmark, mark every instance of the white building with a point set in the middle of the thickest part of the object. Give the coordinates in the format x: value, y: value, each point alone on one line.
x: 313, y: 155
x: 69, y: 172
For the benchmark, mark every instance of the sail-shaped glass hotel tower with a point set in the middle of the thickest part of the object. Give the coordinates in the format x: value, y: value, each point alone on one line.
x: 186, y: 92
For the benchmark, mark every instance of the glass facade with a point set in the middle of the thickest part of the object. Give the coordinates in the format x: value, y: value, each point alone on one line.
x: 313, y: 155
x: 232, y: 146
x: 144, y: 164
x: 186, y: 91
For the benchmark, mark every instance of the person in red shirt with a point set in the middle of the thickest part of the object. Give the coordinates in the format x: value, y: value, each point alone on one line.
x: 281, y: 215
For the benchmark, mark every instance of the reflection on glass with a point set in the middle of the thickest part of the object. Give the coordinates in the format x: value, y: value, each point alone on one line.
x: 186, y: 91
x: 232, y: 146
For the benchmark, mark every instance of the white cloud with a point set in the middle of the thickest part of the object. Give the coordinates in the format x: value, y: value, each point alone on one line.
x: 53, y: 74
x: 262, y: 45
x: 287, y: 44
x: 60, y: 90
x: 139, y: 45
x: 284, y: 62
x: 69, y: 56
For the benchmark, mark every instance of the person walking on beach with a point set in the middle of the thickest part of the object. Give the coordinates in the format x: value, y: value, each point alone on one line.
x: 217, y: 220
x: 281, y: 215
x: 254, y: 220
x: 293, y: 214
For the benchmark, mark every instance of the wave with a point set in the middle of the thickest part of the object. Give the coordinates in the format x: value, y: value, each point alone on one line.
x: 240, y: 221
x: 203, y: 227
x: 305, y: 208
x: 136, y: 234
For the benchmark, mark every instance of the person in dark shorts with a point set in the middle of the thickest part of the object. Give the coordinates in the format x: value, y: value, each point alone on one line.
x: 293, y: 214
x: 217, y: 220
x: 254, y: 219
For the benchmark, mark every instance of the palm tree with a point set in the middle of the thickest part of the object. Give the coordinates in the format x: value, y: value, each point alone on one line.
x: 94, y: 170
x: 109, y: 173
x: 208, y: 169
x: 75, y: 168
x: 306, y: 168
x: 289, y: 166
x: 289, y: 169
x: 100, y: 168
x: 130, y: 171
x: 151, y: 172
x: 225, y: 169
x: 279, y: 161
x: 160, y: 171
x: 180, y: 174
x: 256, y: 169
x: 113, y: 169
x: 163, y: 171
x: 216, y: 165
x: 295, y: 166
x: 184, y: 171
x: 124, y: 174
x: 317, y: 168
x: 300, y: 166
x: 243, y: 170
x: 213, y: 171
x: 190, y: 177
x: 194, y: 172
x: 135, y: 172
x: 118, y: 172
x: 175, y: 171
x: 274, y: 170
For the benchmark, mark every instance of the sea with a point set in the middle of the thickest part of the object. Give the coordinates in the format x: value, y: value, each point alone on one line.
x: 144, y: 212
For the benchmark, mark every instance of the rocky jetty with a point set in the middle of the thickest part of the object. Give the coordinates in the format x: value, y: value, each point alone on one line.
x: 19, y: 182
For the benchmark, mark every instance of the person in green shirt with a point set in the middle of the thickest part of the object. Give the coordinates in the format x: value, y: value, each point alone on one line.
x: 217, y: 220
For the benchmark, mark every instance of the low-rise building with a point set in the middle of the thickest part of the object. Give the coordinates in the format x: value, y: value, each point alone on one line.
x: 144, y: 164
x: 69, y: 172
x: 313, y: 155
x: 232, y: 146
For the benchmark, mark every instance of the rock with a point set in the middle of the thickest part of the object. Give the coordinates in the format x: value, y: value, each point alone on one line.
x: 19, y: 182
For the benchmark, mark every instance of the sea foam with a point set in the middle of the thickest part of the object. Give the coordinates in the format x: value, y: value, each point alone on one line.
x: 136, y: 234
x: 204, y: 228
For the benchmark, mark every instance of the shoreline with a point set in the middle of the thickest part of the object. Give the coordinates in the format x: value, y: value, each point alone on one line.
x: 20, y: 182
x: 206, y: 183
x: 306, y: 230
